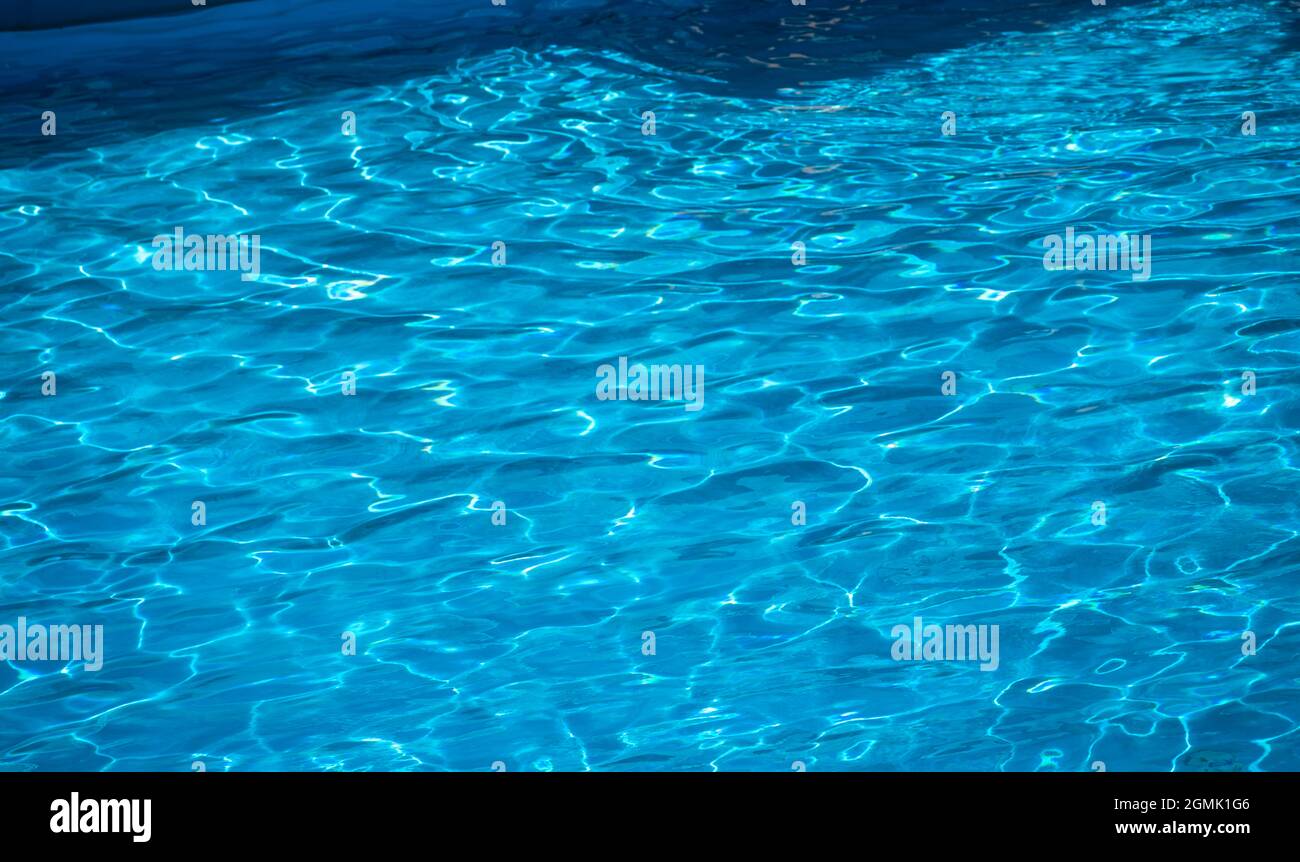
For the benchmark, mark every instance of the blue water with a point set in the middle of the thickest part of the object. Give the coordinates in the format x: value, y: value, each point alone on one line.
x: 522, y: 642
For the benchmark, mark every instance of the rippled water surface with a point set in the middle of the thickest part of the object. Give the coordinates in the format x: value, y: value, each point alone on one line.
x: 523, y: 642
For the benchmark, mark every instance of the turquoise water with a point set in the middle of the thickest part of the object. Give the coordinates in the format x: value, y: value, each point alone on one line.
x: 522, y: 642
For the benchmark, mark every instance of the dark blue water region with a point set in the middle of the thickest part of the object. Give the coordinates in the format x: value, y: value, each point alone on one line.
x: 42, y: 14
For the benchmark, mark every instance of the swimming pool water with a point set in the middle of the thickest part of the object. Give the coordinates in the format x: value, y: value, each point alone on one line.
x: 523, y: 642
